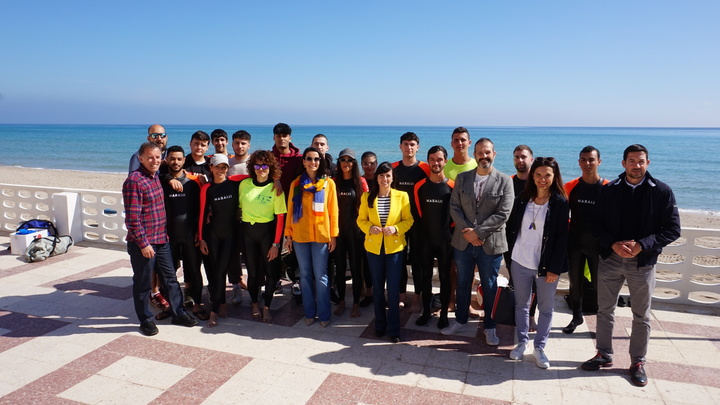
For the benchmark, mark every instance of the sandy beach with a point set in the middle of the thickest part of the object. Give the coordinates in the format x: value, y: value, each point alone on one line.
x: 114, y: 181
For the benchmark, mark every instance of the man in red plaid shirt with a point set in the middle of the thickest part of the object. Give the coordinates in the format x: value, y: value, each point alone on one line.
x: 147, y: 240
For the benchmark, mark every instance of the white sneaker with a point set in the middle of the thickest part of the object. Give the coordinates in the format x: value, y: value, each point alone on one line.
x: 454, y: 328
x: 237, y: 295
x: 518, y: 352
x: 491, y: 338
x: 541, y: 359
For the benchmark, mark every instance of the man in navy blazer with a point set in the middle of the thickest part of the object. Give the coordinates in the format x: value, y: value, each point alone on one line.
x: 480, y: 206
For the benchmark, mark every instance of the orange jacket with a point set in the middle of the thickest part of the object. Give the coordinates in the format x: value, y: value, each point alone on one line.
x: 311, y: 227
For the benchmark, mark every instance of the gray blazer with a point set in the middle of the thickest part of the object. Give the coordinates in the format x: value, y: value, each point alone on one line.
x: 491, y: 213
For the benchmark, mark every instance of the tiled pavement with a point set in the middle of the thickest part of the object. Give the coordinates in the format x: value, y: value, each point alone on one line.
x: 68, y: 334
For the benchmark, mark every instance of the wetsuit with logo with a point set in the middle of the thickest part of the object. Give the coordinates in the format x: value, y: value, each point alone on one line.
x: 405, y: 178
x: 433, y: 204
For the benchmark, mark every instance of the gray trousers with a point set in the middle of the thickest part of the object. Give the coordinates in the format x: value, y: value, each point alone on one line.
x: 612, y: 272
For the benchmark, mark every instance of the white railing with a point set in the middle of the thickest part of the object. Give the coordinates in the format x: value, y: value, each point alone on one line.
x: 94, y: 215
x: 688, y: 270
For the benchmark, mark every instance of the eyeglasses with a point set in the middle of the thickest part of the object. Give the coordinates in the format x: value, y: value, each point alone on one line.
x: 312, y: 159
x: 260, y: 167
x: 346, y: 160
x: 158, y: 135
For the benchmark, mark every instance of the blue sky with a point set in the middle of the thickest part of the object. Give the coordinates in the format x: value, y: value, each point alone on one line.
x: 471, y: 63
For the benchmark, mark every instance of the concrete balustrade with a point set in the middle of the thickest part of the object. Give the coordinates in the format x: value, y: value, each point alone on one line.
x: 688, y: 270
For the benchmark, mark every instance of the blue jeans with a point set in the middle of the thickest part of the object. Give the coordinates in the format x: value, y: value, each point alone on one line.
x: 162, y: 264
x: 312, y: 259
x: 386, y: 267
x: 523, y: 278
x: 488, y: 268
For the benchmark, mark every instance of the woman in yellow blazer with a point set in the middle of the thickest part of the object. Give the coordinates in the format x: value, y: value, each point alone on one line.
x: 385, y: 217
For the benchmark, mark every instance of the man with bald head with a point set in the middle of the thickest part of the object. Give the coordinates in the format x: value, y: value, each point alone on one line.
x: 156, y: 135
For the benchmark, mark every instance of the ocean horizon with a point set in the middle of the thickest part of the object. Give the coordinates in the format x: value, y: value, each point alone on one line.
x: 672, y: 151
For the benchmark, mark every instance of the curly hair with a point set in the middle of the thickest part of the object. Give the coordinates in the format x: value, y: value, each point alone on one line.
x: 264, y: 157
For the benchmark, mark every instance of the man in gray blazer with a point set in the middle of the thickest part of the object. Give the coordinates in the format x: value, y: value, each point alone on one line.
x: 480, y: 205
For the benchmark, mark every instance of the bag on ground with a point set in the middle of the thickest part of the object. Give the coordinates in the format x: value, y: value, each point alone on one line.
x: 42, y: 248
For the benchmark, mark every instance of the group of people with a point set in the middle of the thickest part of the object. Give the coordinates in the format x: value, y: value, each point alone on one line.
x: 459, y: 210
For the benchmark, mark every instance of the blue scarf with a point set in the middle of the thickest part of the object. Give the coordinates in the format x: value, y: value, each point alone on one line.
x: 306, y: 185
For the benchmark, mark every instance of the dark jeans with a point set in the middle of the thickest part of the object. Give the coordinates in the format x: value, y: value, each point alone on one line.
x: 488, y: 268
x: 386, y: 267
x: 162, y: 264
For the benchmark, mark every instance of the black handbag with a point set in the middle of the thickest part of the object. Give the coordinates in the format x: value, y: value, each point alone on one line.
x: 504, y: 309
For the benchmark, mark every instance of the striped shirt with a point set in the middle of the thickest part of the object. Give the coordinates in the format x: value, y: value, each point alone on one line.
x: 383, y: 207
x: 145, y: 217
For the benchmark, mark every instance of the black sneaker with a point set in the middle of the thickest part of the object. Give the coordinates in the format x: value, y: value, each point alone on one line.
x: 149, y: 328
x: 185, y: 320
x: 596, y: 362
x: 637, y: 374
x: 422, y: 320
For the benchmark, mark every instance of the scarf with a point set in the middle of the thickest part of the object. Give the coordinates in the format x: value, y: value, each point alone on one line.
x: 318, y: 188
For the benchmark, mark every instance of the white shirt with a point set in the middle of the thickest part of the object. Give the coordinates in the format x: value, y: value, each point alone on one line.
x: 529, y: 241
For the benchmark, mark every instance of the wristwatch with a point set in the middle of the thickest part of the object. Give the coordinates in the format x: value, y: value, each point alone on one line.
x: 277, y: 245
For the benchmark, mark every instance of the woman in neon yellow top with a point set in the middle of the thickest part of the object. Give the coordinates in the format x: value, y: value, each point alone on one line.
x: 263, y: 212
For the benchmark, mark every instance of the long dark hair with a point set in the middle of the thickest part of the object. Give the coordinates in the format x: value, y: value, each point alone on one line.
x: 355, y: 178
x: 321, y: 172
x: 531, y: 192
x: 382, y: 168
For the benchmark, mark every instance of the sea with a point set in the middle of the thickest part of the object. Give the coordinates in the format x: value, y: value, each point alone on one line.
x: 677, y: 155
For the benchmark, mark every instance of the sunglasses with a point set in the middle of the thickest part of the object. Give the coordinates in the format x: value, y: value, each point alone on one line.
x: 550, y: 160
x: 346, y: 160
x: 158, y: 135
x: 260, y: 167
x: 312, y: 159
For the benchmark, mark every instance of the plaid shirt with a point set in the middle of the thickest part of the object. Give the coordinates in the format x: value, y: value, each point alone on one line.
x: 145, y: 217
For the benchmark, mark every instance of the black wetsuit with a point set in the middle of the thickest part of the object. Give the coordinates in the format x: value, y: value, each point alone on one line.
x: 405, y: 178
x: 582, y: 245
x: 349, y: 243
x: 221, y: 205
x: 433, y: 203
x: 182, y: 210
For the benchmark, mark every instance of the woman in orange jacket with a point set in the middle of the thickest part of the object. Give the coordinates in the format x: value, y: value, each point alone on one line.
x: 311, y: 231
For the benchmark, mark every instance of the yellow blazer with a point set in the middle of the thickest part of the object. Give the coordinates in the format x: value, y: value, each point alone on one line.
x: 400, y: 217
